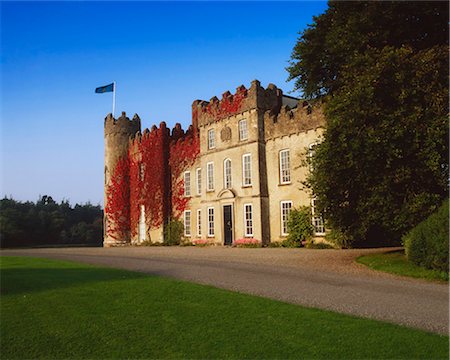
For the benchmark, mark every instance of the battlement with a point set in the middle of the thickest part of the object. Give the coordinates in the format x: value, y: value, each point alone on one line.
x: 289, y: 121
x: 122, y: 125
x: 256, y: 97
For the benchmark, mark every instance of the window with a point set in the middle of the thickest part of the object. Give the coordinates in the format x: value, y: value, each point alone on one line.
x: 286, y: 207
x: 247, y: 170
x: 210, y: 222
x: 187, y: 223
x: 211, y: 139
x: 248, y: 219
x: 199, y: 181
x: 285, y: 167
x: 199, y: 222
x: 243, y: 131
x: 227, y: 174
x: 317, y: 219
x: 210, y: 176
x: 187, y: 183
x: 141, y: 172
x: 312, y: 152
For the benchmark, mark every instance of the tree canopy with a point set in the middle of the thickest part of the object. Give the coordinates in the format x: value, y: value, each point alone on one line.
x: 383, y: 164
x: 49, y: 223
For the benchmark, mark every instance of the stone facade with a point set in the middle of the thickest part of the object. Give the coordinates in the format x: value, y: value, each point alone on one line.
x: 248, y: 173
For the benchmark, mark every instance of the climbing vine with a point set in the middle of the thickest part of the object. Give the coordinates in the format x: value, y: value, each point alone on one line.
x: 118, y: 200
x: 183, y: 154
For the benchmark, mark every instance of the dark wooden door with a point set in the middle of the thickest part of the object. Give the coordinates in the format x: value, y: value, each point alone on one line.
x: 227, y: 225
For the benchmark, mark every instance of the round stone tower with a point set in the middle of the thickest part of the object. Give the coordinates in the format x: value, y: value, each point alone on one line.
x: 117, y: 137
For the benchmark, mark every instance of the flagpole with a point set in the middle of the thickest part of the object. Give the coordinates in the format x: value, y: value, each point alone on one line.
x: 114, y: 98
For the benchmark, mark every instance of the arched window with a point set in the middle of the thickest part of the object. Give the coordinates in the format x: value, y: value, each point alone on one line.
x: 227, y: 174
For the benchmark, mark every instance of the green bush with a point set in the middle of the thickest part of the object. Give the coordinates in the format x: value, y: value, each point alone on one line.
x: 299, y: 226
x: 426, y: 245
x: 338, y: 238
x: 318, y: 245
x: 173, y: 232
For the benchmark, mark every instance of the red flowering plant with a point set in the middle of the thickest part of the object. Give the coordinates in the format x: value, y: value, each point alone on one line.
x: 247, y: 242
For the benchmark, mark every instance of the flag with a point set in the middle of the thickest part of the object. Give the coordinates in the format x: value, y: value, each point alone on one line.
x: 106, y: 88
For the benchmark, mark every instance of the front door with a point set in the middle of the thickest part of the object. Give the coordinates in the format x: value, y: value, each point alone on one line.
x: 227, y: 225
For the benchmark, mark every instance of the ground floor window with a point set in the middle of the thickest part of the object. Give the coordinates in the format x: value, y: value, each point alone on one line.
x: 210, y: 222
x: 286, y: 207
x: 187, y: 223
x: 317, y: 219
x: 199, y: 222
x: 248, y: 219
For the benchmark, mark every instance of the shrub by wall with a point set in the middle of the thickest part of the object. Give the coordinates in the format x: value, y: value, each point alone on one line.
x: 173, y: 232
x: 426, y: 245
x: 299, y: 226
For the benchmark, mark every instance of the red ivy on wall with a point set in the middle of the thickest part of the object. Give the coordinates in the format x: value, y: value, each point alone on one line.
x: 118, y: 200
x: 228, y: 106
x: 142, y: 177
x: 183, y: 154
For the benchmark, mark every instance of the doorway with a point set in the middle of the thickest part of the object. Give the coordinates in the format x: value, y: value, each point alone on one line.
x: 228, y: 224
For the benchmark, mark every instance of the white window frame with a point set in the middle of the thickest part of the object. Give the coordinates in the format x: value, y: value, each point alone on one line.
x: 284, y: 221
x: 243, y: 130
x: 198, y: 173
x: 210, y: 176
x: 244, y: 178
x: 199, y: 222
x: 187, y: 227
x: 285, y: 171
x: 211, y: 233
x: 187, y: 183
x: 248, y: 234
x: 315, y: 218
x: 311, y: 154
x: 227, y: 179
x: 211, y: 139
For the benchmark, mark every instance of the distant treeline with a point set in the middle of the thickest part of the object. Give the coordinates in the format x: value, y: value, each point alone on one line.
x: 48, y: 223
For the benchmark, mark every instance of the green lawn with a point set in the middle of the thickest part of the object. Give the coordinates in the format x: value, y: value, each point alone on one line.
x: 395, y: 262
x: 55, y: 309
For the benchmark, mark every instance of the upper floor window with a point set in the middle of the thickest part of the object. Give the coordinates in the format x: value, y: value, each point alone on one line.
x: 210, y: 176
x: 248, y: 219
x: 227, y: 174
x: 243, y: 130
x: 285, y: 166
x: 312, y: 152
x: 141, y: 172
x: 211, y: 139
x: 187, y: 223
x: 187, y: 183
x: 199, y: 181
x: 286, y: 207
x: 247, y: 170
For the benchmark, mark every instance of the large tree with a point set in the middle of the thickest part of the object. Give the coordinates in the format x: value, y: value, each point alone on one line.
x: 383, y: 69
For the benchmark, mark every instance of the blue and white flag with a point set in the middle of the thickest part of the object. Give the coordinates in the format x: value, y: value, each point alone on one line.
x: 106, y: 88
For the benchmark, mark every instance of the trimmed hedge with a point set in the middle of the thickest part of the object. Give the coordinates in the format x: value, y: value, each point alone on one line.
x: 427, y: 244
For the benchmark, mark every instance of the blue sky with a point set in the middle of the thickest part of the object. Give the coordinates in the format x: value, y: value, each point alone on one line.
x: 163, y: 55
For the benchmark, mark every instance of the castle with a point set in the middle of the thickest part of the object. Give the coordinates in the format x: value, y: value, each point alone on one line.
x: 235, y: 173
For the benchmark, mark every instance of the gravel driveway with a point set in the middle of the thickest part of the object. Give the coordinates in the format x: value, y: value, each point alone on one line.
x: 327, y: 279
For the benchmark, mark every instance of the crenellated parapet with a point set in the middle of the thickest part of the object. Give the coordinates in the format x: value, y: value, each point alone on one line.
x: 122, y: 125
x: 289, y: 121
x: 256, y: 97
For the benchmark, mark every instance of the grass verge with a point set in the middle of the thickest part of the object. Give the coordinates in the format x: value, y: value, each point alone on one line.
x: 55, y: 309
x: 395, y: 262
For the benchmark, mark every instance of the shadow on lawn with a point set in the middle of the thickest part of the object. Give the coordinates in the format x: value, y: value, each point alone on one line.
x: 27, y: 280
